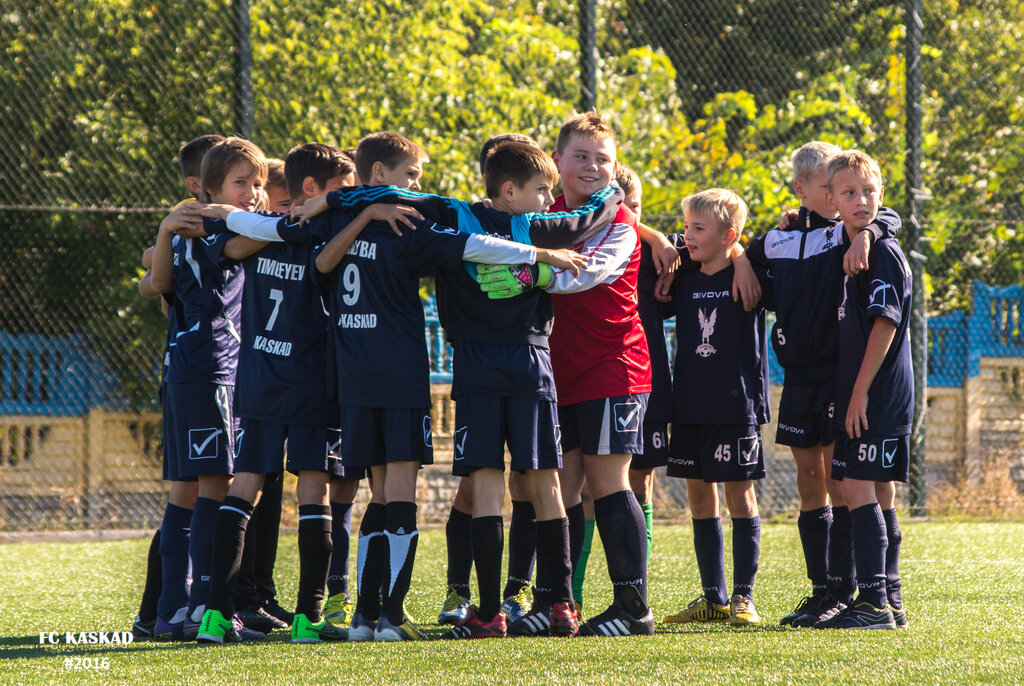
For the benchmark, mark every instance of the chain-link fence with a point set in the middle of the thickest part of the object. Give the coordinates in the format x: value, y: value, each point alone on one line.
x: 97, y: 96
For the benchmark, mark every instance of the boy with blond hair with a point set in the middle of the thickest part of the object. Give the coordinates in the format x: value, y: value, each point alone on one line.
x: 720, y: 398
x: 875, y: 393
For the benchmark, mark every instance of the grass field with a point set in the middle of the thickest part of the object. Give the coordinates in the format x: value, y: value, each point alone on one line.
x: 963, y: 582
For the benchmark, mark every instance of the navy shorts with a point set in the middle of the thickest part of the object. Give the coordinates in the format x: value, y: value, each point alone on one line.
x: 377, y: 435
x: 486, y: 423
x: 655, y: 452
x: 200, y: 440
x: 260, y: 447
x: 807, y: 415
x: 716, y: 452
x: 170, y: 459
x: 872, y: 458
x: 606, y: 426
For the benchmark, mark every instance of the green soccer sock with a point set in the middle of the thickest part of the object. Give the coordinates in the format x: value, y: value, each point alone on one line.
x: 581, y: 567
x: 648, y: 511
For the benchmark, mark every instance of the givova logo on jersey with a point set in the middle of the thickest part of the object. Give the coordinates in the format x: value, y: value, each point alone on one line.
x: 203, y: 444
x: 707, y: 328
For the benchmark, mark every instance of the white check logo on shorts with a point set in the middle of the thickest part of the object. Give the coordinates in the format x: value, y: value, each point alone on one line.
x: 239, y: 435
x: 627, y: 417
x: 203, y: 443
x: 460, y: 442
x: 889, y: 448
x: 428, y: 432
x: 747, y: 449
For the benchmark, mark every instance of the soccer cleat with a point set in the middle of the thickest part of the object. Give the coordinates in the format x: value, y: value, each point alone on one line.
x: 172, y: 629
x: 860, y: 616
x: 700, y: 609
x: 215, y: 628
x: 361, y: 629
x: 406, y: 617
x: 516, y: 606
x: 536, y: 622
x: 742, y: 611
x: 801, y: 608
x: 305, y: 631
x: 388, y: 632
x: 258, y: 619
x: 824, y: 608
x: 473, y: 627
x: 193, y: 620
x: 454, y: 610
x: 899, y: 615
x: 564, y: 620
x: 579, y: 609
x: 627, y: 616
x: 141, y: 629
x: 274, y: 609
x: 338, y: 609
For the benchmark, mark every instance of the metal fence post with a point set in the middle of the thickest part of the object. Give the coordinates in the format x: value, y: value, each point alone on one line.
x: 243, y: 70
x: 918, y: 321
x: 588, y: 55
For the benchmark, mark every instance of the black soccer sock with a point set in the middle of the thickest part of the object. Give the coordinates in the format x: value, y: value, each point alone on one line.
x: 458, y: 534
x: 842, y: 576
x: 401, y: 535
x: 522, y: 547
x: 341, y: 536
x: 267, y: 530
x: 200, y: 550
x: 813, y: 526
x: 893, y: 585
x: 314, y: 558
x: 243, y: 591
x: 709, y: 545
x: 371, y: 561
x: 154, y: 581
x: 621, y: 525
x: 174, y: 535
x: 227, y: 543
x: 488, y: 547
x: 577, y: 531
x: 553, y: 549
x: 746, y: 552
x: 869, y: 545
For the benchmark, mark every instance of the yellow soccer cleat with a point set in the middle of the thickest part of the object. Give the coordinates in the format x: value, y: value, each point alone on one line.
x: 742, y: 611
x: 700, y: 610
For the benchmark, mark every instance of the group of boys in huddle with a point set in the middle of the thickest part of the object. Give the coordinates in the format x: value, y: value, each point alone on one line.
x: 295, y: 341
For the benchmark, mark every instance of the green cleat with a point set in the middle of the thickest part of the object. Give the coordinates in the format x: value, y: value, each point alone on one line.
x: 305, y: 631
x: 338, y: 610
x: 700, y: 609
x: 216, y: 628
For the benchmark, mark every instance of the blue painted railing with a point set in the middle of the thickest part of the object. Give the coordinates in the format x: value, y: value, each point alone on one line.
x: 42, y: 375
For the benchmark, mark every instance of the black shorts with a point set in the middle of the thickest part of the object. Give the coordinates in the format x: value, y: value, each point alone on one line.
x: 807, y: 415
x: 716, y: 452
x: 606, y: 426
x: 200, y: 438
x: 486, y: 423
x: 655, y: 452
x: 377, y: 435
x: 872, y: 458
x: 260, y: 448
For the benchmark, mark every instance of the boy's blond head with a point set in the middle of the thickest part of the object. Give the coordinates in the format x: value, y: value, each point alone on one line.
x: 856, y: 161
x: 810, y: 156
x: 387, y: 147
x: 519, y: 163
x: 221, y: 157
x: 627, y: 179
x: 590, y: 125
x: 721, y: 205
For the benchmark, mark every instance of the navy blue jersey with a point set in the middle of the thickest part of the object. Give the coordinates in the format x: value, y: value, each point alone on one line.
x: 542, y: 229
x: 281, y: 363
x: 652, y: 315
x: 883, y: 290
x: 209, y: 287
x: 721, y: 366
x: 376, y: 314
x: 807, y: 270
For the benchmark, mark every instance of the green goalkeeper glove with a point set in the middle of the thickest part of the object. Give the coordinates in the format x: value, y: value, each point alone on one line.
x: 509, y: 280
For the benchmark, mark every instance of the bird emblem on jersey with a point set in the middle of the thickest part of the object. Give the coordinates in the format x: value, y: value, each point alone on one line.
x: 828, y: 240
x: 707, y: 327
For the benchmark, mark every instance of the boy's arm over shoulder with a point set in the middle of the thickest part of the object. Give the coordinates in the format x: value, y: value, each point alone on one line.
x: 889, y: 287
x: 608, y: 253
x: 355, y: 199
x: 569, y: 227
